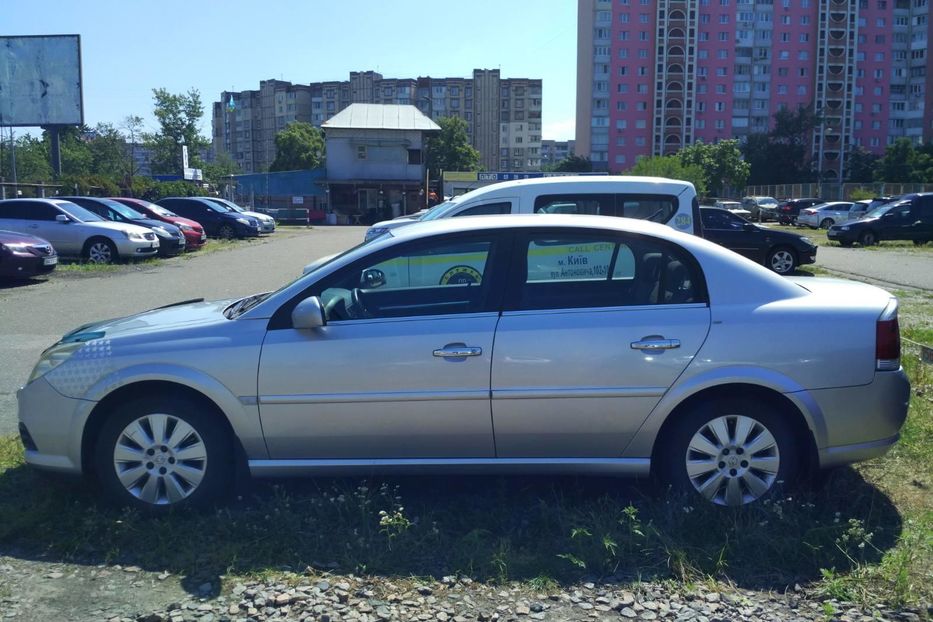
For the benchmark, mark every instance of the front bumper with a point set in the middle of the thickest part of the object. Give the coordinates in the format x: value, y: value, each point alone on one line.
x: 267, y: 227
x: 245, y: 231
x: 54, y: 425
x: 807, y: 255
x: 130, y: 248
x: 170, y: 247
x: 21, y: 266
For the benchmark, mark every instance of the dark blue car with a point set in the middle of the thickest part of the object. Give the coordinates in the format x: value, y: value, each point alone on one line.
x: 219, y: 221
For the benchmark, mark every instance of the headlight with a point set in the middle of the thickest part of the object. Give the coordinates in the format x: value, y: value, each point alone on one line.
x: 374, y: 232
x: 134, y: 236
x: 161, y: 232
x: 185, y: 227
x: 243, y: 221
x: 53, y: 357
x: 844, y: 228
x: 806, y: 241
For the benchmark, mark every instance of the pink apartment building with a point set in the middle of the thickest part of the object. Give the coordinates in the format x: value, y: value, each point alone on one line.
x: 655, y: 75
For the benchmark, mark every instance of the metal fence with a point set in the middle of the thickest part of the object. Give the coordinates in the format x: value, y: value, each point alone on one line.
x: 834, y: 192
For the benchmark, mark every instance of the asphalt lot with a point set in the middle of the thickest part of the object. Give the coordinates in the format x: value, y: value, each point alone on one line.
x: 34, y: 316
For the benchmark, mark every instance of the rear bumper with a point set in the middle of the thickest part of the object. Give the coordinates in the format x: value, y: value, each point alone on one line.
x: 838, y: 235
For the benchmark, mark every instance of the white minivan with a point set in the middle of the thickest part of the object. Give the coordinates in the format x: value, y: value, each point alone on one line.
x: 666, y: 201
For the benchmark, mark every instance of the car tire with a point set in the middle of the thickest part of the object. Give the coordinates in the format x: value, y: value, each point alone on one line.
x: 846, y: 243
x: 226, y: 232
x: 705, y: 457
x: 868, y: 238
x: 160, y: 452
x: 826, y: 223
x: 100, y: 251
x: 782, y: 260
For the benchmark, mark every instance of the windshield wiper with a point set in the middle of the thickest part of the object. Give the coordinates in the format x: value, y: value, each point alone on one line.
x: 242, y: 306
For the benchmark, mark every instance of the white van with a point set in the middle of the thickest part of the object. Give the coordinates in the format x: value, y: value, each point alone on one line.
x: 666, y: 201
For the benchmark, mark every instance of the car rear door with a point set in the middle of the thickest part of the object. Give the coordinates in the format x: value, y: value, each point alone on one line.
x: 66, y: 237
x: 596, y: 327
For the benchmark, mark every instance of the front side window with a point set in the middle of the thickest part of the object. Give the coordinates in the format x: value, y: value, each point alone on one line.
x: 714, y: 219
x: 438, y: 277
x: 588, y: 271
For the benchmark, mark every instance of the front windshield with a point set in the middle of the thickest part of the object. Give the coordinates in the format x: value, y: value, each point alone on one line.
x: 123, y: 210
x: 161, y: 211
x: 76, y: 211
x: 218, y: 207
x: 440, y: 210
x: 228, y: 204
x: 882, y: 209
x: 764, y: 202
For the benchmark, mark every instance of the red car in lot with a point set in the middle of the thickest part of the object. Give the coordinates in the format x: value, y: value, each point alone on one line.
x: 23, y: 256
x: 194, y: 232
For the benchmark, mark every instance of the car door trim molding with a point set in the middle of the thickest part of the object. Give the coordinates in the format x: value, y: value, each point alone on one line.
x: 558, y: 393
x: 359, y: 398
x: 632, y: 467
x: 615, y: 309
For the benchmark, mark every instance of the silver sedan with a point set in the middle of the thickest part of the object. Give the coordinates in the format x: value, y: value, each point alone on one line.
x: 506, y: 343
x: 825, y: 215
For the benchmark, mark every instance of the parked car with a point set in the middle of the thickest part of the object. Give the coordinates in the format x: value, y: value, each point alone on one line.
x: 825, y: 215
x: 218, y: 220
x: 266, y: 222
x: 907, y: 219
x: 23, y: 256
x: 171, y: 240
x: 192, y: 230
x: 788, y: 209
x: 733, y: 206
x: 778, y: 250
x: 761, y: 208
x: 650, y: 337
x: 661, y: 200
x: 77, y: 232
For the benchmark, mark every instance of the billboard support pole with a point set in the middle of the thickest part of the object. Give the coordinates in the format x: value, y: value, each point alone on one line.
x: 56, y: 151
x: 13, y: 160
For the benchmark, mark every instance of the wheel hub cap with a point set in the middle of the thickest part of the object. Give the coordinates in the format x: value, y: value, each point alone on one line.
x: 732, y: 460
x: 160, y: 459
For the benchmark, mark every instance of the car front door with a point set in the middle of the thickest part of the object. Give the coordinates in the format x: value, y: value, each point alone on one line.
x: 730, y: 231
x: 401, y: 368
x: 897, y: 223
x: 596, y: 327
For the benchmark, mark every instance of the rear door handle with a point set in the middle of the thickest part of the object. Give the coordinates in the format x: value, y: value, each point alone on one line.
x: 457, y: 351
x: 656, y: 344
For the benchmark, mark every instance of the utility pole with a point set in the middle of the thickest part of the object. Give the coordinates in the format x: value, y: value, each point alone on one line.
x: 13, y: 159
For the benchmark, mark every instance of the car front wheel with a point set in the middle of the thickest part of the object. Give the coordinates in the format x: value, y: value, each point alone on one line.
x: 730, y: 452
x: 160, y: 452
x: 868, y: 238
x: 226, y: 232
x: 782, y: 260
x: 100, y: 250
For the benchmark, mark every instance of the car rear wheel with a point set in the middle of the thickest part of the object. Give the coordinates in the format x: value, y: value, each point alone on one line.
x: 782, y: 260
x: 226, y: 232
x: 868, y: 238
x: 827, y: 223
x: 160, y: 452
x: 100, y: 250
x: 730, y: 452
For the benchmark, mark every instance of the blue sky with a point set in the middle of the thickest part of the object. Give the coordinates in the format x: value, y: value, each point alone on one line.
x: 130, y: 47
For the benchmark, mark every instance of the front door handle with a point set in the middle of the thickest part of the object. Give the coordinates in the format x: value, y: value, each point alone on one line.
x: 656, y: 344
x: 457, y: 351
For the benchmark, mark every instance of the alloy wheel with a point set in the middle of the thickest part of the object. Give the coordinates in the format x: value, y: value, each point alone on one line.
x: 732, y: 460
x: 100, y: 252
x: 782, y: 261
x: 160, y: 459
x: 226, y: 232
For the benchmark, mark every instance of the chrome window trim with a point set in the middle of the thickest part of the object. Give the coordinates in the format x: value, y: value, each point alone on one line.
x: 691, y: 305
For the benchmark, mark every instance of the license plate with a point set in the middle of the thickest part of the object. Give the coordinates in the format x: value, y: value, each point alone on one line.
x: 49, y: 261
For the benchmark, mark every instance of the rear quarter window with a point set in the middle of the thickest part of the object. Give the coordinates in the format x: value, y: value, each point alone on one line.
x: 652, y: 207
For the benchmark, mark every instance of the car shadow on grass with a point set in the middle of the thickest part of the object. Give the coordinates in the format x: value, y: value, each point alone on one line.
x: 541, y: 528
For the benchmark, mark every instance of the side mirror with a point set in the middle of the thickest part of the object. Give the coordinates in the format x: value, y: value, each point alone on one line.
x: 62, y: 218
x: 372, y: 278
x: 308, y: 314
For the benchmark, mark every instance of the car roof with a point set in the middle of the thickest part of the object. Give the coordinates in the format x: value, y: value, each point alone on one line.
x: 574, y: 182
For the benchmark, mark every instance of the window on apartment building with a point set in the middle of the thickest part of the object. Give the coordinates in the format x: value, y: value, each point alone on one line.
x: 642, y: 71
x: 641, y: 106
x: 623, y: 18
x: 643, y: 18
x: 642, y: 53
x: 704, y: 18
x: 620, y: 141
x: 803, y: 55
x: 782, y: 71
x: 720, y: 124
x: 719, y: 106
x: 701, y: 106
x: 723, y: 36
x: 720, y: 89
x: 642, y: 89
x: 643, y: 35
x: 620, y: 106
x: 723, y: 54
x: 639, y: 141
x: 784, y: 55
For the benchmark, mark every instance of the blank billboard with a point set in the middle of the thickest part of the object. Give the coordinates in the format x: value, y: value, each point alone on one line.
x: 40, y: 80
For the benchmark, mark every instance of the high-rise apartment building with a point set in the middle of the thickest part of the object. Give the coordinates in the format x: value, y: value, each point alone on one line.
x: 655, y: 75
x: 503, y: 116
x: 553, y: 151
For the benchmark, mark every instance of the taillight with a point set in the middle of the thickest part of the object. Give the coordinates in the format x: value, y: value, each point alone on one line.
x: 888, y: 339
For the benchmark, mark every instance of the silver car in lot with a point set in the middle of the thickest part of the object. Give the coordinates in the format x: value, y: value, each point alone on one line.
x: 825, y: 215
x: 77, y: 232
x: 506, y: 343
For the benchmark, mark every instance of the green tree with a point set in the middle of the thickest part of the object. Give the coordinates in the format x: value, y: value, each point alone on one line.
x: 299, y: 146
x: 108, y: 152
x: 722, y: 164
x: 783, y: 154
x: 671, y: 167
x: 450, y: 149
x: 178, y: 116
x: 32, y: 160
x: 222, y: 166
x: 132, y: 127
x: 896, y: 166
x: 860, y: 166
x: 574, y: 164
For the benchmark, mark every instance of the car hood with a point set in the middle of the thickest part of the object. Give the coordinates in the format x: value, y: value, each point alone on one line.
x: 184, y: 314
x: 12, y: 237
x: 394, y: 224
x: 178, y: 220
x: 257, y: 215
x: 117, y: 226
x: 152, y: 222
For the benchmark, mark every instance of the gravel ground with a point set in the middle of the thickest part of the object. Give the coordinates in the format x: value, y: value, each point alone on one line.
x: 332, y: 598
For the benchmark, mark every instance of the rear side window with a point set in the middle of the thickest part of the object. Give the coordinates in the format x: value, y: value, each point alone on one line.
x: 28, y: 210
x: 573, y: 271
x: 656, y: 208
x: 487, y: 209
x: 12, y: 210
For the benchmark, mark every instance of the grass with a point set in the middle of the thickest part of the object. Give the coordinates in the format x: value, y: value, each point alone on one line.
x: 865, y: 534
